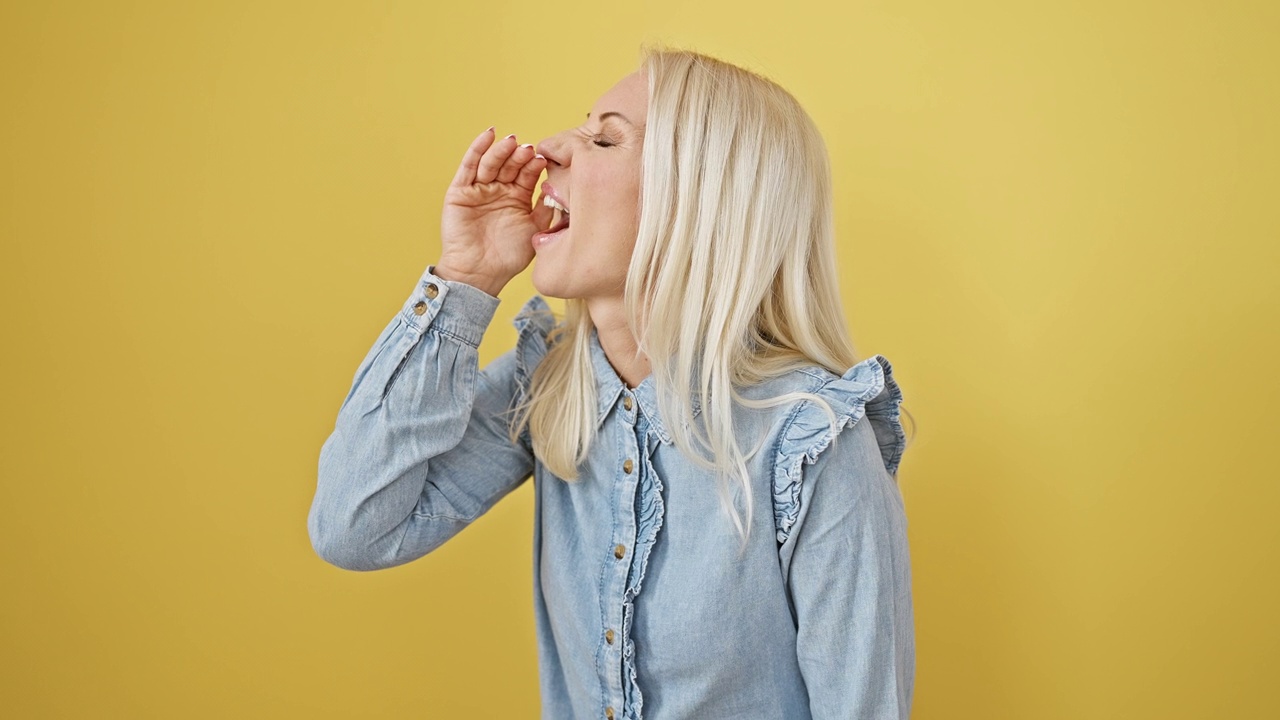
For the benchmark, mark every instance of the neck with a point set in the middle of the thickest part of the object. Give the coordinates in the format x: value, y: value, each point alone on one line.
x: 620, y: 346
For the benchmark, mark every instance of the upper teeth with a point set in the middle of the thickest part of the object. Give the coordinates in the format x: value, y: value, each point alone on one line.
x: 551, y: 202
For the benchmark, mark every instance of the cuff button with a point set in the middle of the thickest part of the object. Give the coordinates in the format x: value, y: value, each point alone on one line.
x: 432, y: 290
x: 419, y: 308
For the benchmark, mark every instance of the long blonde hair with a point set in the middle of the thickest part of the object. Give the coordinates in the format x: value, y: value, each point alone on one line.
x: 733, y: 277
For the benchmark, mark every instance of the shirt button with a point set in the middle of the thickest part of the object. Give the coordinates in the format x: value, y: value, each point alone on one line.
x: 432, y: 290
x: 619, y: 550
x: 419, y: 308
x: 608, y: 636
x: 608, y: 712
x: 626, y: 466
x: 626, y: 402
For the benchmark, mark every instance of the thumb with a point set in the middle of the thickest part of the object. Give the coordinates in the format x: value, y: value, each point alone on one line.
x: 541, y: 213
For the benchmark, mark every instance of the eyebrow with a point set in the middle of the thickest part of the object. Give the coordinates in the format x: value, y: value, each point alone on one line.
x: 604, y: 116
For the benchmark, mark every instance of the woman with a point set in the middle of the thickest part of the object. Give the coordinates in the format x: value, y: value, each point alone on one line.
x: 703, y: 545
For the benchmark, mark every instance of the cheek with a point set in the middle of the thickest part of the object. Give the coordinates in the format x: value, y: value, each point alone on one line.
x: 616, y: 218
x: 615, y: 193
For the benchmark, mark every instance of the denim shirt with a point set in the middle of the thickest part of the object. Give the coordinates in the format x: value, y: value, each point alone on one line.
x: 643, y: 606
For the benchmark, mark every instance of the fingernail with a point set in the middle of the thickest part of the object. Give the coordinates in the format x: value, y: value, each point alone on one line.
x: 539, y: 156
x: 528, y: 145
x: 510, y: 136
x: 490, y: 129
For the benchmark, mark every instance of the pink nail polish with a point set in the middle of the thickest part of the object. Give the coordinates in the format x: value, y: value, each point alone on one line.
x: 510, y: 136
x: 490, y: 128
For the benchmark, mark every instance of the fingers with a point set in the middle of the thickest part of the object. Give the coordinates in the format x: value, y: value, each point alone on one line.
x: 511, y: 168
x: 528, y: 177
x: 471, y: 159
x: 493, y: 159
x: 503, y: 161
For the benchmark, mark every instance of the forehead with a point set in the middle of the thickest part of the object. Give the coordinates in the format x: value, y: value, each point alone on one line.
x: 629, y: 96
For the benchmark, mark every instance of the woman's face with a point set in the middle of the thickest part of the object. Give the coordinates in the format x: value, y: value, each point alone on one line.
x: 594, y: 170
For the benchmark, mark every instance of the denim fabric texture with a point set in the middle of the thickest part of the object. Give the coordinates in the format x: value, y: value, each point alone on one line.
x: 643, y: 606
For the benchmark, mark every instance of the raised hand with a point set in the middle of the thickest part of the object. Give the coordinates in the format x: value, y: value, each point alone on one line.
x: 489, y: 217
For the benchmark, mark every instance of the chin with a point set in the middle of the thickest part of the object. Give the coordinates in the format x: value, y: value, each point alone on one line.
x: 546, y: 288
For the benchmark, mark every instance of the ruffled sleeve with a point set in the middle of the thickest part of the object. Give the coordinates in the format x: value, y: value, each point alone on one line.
x: 867, y: 390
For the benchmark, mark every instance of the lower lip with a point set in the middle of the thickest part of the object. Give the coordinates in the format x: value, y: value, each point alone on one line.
x: 543, y: 239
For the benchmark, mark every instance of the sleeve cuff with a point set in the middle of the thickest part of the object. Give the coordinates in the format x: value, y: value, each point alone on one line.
x: 465, y: 316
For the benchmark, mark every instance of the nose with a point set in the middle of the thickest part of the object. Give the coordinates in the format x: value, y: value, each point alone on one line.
x: 555, y: 150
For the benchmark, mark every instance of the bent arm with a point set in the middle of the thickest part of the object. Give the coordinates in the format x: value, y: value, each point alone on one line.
x: 420, y: 447
x: 850, y: 580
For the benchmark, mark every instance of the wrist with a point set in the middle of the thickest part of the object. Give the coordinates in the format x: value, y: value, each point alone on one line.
x: 488, y: 285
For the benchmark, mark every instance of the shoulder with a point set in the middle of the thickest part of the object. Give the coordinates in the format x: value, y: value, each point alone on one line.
x: 866, y: 393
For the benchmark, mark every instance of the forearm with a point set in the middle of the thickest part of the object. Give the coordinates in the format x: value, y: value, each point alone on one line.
x: 410, y: 402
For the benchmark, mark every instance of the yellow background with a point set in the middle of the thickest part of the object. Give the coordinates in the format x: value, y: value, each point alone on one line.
x: 1059, y: 221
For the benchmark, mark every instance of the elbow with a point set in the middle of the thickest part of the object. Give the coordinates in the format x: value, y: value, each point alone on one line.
x: 346, y: 550
x: 343, y: 555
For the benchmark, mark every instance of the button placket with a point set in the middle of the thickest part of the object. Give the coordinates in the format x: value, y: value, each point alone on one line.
x: 647, y: 510
x: 625, y: 525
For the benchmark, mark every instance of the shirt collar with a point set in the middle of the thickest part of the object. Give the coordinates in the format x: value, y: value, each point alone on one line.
x: 610, y: 388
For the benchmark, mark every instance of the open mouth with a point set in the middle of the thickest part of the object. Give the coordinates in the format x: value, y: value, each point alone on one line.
x: 559, y: 215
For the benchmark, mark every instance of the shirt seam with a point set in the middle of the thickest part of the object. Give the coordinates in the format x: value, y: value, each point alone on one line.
x: 450, y: 334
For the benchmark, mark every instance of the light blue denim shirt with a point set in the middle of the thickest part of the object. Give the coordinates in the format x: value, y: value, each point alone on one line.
x: 643, y: 606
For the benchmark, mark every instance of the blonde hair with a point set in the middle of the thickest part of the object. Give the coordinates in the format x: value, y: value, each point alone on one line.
x: 733, y: 277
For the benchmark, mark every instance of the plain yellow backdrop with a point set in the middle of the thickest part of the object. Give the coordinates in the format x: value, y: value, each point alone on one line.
x: 1059, y: 221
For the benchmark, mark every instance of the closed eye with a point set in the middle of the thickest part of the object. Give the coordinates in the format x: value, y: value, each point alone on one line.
x: 599, y: 140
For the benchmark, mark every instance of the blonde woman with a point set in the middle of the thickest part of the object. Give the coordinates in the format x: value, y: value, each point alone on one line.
x: 718, y: 528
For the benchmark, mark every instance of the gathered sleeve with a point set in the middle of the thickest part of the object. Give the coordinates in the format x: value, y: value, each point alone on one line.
x: 842, y: 533
x: 421, y: 446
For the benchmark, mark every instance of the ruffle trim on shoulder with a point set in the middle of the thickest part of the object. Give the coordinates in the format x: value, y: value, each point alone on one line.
x: 867, y: 389
x: 533, y: 323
